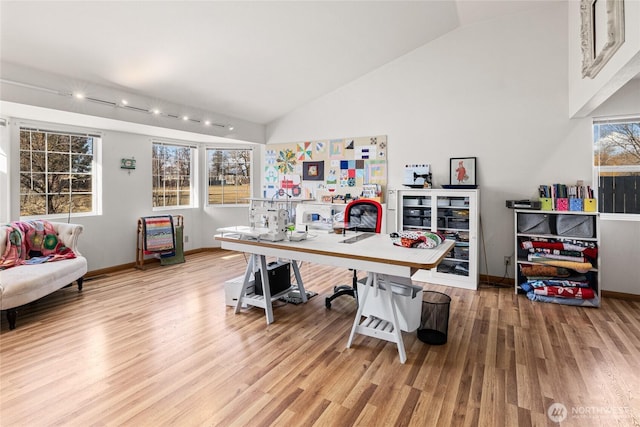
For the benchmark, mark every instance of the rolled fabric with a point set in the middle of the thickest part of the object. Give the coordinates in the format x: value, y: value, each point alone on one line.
x: 580, y: 267
x: 543, y: 271
x: 565, y: 292
x: 417, y: 239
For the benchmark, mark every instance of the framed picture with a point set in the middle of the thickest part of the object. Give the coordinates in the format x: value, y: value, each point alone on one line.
x: 313, y: 171
x: 462, y: 172
x: 601, y: 33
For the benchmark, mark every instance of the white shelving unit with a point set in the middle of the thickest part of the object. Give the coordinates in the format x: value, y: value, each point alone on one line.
x: 454, y: 213
x: 571, y: 227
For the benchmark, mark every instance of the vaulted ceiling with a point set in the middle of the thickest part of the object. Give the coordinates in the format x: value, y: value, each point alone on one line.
x: 251, y: 60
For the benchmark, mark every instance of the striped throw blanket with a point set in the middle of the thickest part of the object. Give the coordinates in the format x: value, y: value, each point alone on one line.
x: 158, y: 234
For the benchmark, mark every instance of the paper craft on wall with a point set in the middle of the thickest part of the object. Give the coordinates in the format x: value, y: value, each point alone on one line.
x: 313, y: 171
x: 336, y: 147
x: 417, y: 176
x: 304, y: 151
x: 335, y: 167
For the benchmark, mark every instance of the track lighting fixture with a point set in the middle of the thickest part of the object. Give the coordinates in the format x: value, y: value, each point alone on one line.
x: 124, y: 103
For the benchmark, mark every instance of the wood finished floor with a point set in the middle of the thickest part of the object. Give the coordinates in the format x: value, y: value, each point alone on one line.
x: 159, y: 347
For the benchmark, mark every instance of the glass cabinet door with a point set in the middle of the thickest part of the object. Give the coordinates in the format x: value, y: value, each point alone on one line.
x: 416, y: 212
x: 453, y: 222
x: 454, y: 214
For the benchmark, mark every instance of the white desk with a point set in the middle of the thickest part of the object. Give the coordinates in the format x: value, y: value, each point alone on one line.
x: 373, y: 253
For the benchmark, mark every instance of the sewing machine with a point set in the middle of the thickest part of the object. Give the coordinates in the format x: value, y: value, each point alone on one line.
x: 314, y: 216
x: 270, y: 222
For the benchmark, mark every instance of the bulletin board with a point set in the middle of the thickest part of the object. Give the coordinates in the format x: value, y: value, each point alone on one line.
x: 335, y: 167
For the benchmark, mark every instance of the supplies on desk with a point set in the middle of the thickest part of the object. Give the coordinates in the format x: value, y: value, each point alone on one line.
x: 417, y: 239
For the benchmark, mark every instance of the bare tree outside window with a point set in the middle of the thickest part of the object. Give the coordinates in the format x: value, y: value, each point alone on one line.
x: 172, y: 173
x: 617, y: 163
x: 56, y: 172
x: 229, y: 176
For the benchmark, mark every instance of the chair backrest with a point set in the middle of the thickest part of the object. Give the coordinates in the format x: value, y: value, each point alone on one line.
x: 363, y: 215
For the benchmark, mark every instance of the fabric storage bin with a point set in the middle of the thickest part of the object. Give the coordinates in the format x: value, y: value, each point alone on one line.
x: 460, y: 202
x: 575, y: 204
x: 546, y: 204
x: 562, y: 204
x: 452, y: 267
x: 407, y: 299
x: 575, y: 225
x: 590, y: 205
x: 412, y: 220
x: 460, y: 213
x: 534, y: 223
x: 426, y: 222
x: 413, y: 212
x: 459, y: 223
x: 461, y: 252
x: 411, y: 201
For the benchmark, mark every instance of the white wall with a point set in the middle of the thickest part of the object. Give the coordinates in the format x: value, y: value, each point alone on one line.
x: 109, y: 239
x: 496, y: 90
x: 620, y: 238
x: 5, y: 147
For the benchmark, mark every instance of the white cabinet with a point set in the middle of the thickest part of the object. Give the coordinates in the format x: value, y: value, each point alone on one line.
x: 454, y: 213
x: 557, y: 256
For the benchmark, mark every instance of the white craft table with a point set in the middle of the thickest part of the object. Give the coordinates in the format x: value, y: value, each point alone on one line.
x: 370, y: 252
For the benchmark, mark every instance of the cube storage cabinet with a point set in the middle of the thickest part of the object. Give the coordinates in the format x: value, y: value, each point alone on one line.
x: 454, y: 213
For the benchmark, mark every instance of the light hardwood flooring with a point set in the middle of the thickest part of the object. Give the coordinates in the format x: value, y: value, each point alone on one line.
x: 159, y: 347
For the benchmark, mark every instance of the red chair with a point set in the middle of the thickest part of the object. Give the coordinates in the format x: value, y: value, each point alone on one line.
x: 359, y: 215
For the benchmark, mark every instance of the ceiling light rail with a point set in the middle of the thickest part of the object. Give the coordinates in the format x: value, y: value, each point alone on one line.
x: 122, y: 104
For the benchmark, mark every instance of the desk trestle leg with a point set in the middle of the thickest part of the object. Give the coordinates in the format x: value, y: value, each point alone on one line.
x: 386, y: 329
x: 264, y: 301
x: 248, y: 272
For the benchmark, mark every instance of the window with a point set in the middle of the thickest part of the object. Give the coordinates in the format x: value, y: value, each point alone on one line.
x: 173, y: 171
x: 617, y: 165
x: 229, y: 174
x: 57, y: 172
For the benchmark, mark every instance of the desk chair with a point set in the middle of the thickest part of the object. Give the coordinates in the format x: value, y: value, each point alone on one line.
x: 359, y: 215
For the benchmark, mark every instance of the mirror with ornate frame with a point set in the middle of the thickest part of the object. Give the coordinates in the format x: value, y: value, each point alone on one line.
x: 602, y: 33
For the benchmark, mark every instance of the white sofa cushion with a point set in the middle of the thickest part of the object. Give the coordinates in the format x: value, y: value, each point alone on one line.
x: 25, y: 283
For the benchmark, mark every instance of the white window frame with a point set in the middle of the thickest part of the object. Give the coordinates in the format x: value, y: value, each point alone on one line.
x: 625, y: 168
x: 96, y: 166
x: 251, y: 175
x: 193, y: 170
